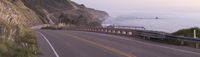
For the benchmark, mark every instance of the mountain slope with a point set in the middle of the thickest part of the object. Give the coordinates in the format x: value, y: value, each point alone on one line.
x: 17, y: 13
x: 65, y: 11
x: 35, y: 12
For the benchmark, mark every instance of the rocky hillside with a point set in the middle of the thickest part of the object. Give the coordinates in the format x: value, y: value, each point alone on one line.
x: 16, y: 12
x: 35, y: 12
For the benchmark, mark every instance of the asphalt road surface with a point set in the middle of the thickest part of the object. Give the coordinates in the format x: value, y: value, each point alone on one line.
x: 64, y: 43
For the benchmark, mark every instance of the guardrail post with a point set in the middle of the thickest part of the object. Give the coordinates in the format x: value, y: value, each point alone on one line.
x: 144, y: 37
x: 106, y: 30
x: 91, y: 29
x: 182, y: 43
x: 197, y: 45
x: 99, y: 30
x: 109, y: 31
x: 113, y: 31
x: 118, y: 32
x: 130, y: 33
x: 96, y: 30
x: 123, y: 32
x: 102, y: 30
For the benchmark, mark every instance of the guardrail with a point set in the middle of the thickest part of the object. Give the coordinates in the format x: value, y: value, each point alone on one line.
x: 125, y: 32
x: 145, y: 34
x: 184, y: 38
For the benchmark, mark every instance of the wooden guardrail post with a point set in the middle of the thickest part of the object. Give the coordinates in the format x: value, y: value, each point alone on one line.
x: 101, y: 30
x: 109, y: 31
x: 123, y: 32
x: 182, y: 42
x: 195, y: 37
x: 106, y: 30
x: 113, y: 31
x: 143, y: 36
x: 118, y: 32
x: 96, y: 30
x: 130, y: 33
x: 91, y: 29
x: 197, y: 45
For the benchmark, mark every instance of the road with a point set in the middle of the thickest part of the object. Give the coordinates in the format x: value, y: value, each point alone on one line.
x: 64, y: 43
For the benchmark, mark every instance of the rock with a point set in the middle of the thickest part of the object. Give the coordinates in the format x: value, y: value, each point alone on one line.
x: 13, y: 11
x: 36, y: 12
x: 65, y: 11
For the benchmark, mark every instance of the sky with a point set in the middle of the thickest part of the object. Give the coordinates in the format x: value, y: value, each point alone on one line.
x: 173, y: 14
x: 112, y: 6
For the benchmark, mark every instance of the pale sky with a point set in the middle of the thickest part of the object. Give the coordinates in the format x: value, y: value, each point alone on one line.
x: 143, y: 5
x: 180, y: 13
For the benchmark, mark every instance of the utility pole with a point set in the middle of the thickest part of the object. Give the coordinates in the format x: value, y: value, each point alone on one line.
x: 195, y: 36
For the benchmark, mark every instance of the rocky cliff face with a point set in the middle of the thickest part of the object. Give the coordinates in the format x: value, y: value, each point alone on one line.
x: 16, y: 12
x: 35, y: 12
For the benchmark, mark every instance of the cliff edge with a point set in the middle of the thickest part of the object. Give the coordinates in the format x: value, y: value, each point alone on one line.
x: 36, y: 12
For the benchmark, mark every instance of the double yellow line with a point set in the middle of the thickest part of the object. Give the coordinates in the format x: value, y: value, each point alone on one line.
x: 102, y: 46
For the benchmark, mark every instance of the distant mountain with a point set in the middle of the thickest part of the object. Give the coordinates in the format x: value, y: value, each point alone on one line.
x: 35, y: 12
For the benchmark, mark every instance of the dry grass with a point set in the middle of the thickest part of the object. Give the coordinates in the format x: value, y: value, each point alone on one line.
x: 17, y: 41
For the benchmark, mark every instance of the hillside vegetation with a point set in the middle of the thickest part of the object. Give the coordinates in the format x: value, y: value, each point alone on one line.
x: 17, y: 16
x: 17, y: 41
x: 66, y: 11
x: 37, y: 12
x: 187, y: 32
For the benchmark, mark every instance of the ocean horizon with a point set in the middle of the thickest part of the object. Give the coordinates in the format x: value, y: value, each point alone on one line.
x: 167, y: 22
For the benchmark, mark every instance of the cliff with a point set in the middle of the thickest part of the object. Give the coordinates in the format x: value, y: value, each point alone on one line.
x: 36, y: 12
x: 17, y: 13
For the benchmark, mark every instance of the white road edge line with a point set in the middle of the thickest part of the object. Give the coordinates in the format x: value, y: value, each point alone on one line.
x: 49, y: 44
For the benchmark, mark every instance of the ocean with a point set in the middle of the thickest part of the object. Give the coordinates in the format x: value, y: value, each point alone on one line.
x: 167, y: 22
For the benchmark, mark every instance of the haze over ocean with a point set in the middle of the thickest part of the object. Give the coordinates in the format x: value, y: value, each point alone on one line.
x: 168, y: 22
x: 173, y: 14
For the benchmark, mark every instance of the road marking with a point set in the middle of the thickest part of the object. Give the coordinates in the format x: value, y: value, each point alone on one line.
x: 49, y: 44
x: 103, y: 46
x: 180, y: 50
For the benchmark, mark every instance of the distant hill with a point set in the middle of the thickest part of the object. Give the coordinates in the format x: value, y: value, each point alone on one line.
x: 36, y: 12
x: 188, y: 32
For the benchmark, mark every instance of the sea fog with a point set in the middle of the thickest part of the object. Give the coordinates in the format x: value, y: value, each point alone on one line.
x: 167, y: 21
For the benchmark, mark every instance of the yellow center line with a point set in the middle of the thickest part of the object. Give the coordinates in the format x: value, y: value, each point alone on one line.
x: 103, y: 46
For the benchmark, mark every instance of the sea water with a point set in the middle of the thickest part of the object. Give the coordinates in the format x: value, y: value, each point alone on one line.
x: 167, y: 22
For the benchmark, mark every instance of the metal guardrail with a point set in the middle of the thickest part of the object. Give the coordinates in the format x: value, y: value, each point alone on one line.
x: 126, y: 32
x: 184, y: 38
x: 139, y: 33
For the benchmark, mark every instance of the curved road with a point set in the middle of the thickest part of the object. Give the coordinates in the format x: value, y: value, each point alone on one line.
x: 64, y: 43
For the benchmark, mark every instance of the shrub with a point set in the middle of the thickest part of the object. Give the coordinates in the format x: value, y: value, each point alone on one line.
x: 187, y: 32
x: 17, y: 41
